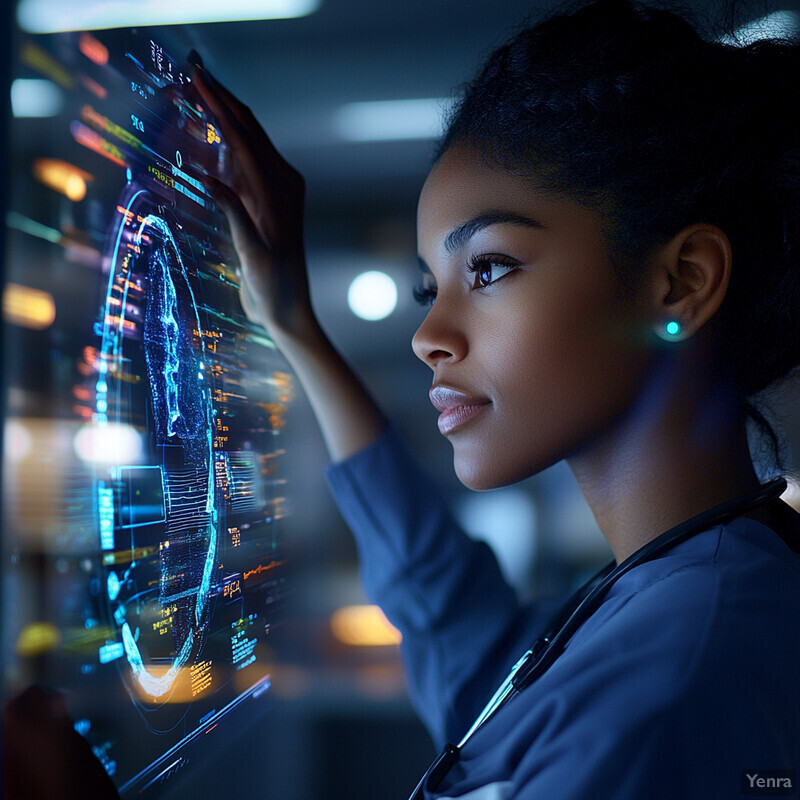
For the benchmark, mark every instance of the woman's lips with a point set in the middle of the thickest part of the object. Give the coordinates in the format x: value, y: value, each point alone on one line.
x: 456, y: 407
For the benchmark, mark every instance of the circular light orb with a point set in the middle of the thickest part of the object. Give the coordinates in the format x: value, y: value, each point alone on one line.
x: 108, y: 443
x: 673, y: 328
x: 372, y: 295
x: 17, y: 441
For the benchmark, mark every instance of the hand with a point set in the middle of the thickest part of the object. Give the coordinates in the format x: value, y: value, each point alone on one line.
x: 262, y: 197
x: 44, y: 758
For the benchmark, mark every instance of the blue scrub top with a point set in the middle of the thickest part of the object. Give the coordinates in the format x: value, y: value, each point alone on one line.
x: 683, y: 685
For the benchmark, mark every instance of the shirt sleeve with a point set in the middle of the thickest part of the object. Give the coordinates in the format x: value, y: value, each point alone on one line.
x: 461, y: 624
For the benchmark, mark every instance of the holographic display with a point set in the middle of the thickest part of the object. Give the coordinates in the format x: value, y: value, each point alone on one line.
x: 143, y: 474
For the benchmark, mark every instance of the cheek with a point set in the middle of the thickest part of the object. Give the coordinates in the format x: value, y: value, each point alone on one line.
x: 560, y: 375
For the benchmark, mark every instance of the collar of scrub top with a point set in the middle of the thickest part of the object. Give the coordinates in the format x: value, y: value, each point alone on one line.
x: 578, y: 608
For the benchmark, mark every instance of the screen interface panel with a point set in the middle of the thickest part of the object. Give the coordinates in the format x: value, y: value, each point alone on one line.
x: 143, y: 497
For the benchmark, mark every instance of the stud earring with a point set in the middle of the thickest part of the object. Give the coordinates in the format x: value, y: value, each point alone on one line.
x: 673, y: 328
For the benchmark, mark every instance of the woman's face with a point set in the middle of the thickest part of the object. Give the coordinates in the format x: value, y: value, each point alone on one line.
x: 535, y: 346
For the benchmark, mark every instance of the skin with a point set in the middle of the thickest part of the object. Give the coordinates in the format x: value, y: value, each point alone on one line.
x: 568, y: 363
x: 553, y: 342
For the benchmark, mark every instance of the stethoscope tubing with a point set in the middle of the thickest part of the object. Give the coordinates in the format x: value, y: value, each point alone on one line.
x: 548, y: 647
x: 612, y: 572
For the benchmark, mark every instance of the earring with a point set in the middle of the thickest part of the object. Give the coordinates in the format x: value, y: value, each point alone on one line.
x: 672, y: 329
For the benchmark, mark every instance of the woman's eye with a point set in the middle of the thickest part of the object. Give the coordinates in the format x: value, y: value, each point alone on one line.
x: 488, y: 270
x: 425, y: 294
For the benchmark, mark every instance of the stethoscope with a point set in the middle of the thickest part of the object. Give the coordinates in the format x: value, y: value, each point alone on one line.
x: 578, y: 608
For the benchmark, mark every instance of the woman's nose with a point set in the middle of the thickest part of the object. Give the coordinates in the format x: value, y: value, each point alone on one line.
x: 438, y: 339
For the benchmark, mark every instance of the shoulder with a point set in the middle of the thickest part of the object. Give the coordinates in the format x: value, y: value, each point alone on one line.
x: 694, y: 657
x: 702, y: 622
x: 730, y: 581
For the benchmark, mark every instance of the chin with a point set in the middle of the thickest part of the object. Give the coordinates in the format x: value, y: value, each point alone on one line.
x: 483, y: 469
x: 481, y: 474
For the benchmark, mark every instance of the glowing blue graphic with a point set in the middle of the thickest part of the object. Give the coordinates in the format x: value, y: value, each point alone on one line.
x: 105, y: 505
x: 154, y: 686
x: 172, y: 342
x: 140, y: 495
x: 113, y: 586
x: 110, y: 652
x: 180, y: 410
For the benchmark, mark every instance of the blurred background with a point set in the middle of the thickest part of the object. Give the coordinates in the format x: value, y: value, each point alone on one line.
x: 352, y: 93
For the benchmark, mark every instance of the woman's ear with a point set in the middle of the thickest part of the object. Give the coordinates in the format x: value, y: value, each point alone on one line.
x: 692, y: 272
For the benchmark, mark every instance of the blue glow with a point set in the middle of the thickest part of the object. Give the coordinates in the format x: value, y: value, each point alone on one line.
x: 154, y: 686
x: 113, y: 586
x: 391, y: 120
x: 105, y: 504
x: 111, y: 652
x: 180, y: 410
x: 673, y: 328
x: 35, y: 97
x: 45, y: 16
x: 173, y: 345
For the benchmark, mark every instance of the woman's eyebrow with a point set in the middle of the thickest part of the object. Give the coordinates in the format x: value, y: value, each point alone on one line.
x: 459, y: 236
x: 423, y: 267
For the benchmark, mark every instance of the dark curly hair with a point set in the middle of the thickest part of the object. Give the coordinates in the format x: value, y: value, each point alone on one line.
x: 628, y: 106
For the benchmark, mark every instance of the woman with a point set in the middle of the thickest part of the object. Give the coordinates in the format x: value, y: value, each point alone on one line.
x: 609, y: 241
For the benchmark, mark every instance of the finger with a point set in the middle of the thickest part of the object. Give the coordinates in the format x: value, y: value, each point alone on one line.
x: 224, y: 114
x: 222, y: 107
x: 247, y: 239
x: 239, y: 109
x: 235, y: 134
x: 233, y: 115
x: 249, y: 303
x: 237, y: 200
x: 247, y: 242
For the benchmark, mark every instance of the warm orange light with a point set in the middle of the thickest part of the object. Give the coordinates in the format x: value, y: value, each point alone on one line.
x: 363, y: 626
x: 94, y: 87
x: 262, y: 568
x: 63, y: 177
x: 27, y: 307
x: 88, y: 138
x: 189, y: 683
x: 212, y: 135
x: 37, y: 638
x: 93, y: 49
x: 127, y: 324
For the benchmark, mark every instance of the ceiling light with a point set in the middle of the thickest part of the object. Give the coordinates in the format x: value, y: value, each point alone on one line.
x: 364, y: 626
x: 53, y: 16
x: 35, y: 97
x: 108, y: 443
x: 372, y: 295
x: 391, y: 120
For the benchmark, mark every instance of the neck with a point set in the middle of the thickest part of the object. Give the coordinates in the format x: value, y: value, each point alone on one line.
x: 680, y: 452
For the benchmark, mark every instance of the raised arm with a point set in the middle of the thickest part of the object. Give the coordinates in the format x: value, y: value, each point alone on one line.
x: 462, y: 626
x: 262, y: 197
